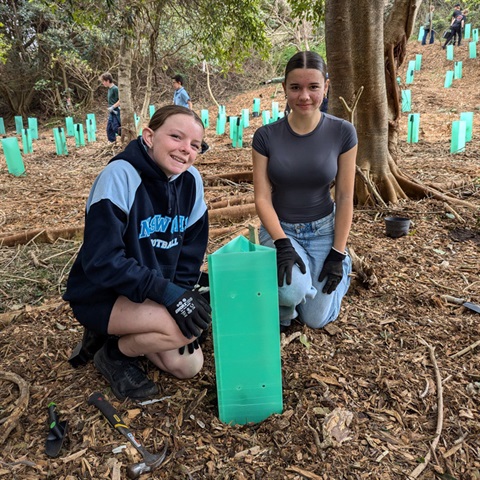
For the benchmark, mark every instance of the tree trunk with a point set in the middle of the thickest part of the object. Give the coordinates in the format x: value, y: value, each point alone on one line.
x: 125, y: 90
x: 360, y: 24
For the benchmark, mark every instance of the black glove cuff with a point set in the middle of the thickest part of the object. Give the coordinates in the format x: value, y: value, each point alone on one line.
x: 283, y: 242
x: 335, y: 256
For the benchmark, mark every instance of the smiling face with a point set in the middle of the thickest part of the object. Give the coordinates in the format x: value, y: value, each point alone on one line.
x: 305, y: 89
x: 174, y: 146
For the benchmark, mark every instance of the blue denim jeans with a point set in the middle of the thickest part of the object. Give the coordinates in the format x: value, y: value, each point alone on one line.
x: 304, y: 298
x: 425, y: 34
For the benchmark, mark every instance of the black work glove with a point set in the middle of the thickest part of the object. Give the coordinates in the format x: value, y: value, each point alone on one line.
x: 191, y: 347
x: 191, y: 312
x: 333, y: 270
x: 287, y: 257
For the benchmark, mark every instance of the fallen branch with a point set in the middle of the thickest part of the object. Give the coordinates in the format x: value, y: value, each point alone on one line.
x: 232, y: 214
x: 371, y: 187
x: 231, y: 201
x: 453, y: 212
x: 21, y: 405
x: 466, y: 350
x: 421, y: 467
x: 40, y: 235
x: 246, y: 176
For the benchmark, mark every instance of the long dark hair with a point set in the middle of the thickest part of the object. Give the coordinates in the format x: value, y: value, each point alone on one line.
x: 306, y: 59
x: 159, y: 117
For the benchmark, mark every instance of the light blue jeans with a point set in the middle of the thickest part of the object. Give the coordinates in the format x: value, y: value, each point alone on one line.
x: 304, y: 298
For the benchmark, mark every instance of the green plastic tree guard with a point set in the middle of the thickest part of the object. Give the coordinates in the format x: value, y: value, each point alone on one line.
x: 27, y: 143
x: 221, y: 122
x: 2, y: 127
x: 91, y: 116
x: 233, y: 128
x: 418, y: 61
x: 420, y: 33
x: 467, y: 117
x: 256, y: 107
x: 33, y: 127
x: 265, y: 117
x: 246, y: 117
x: 281, y: 114
x: 274, y: 111
x: 13, y: 156
x: 238, y: 136
x: 70, y: 126
x: 204, y: 117
x: 449, y: 52
x: 60, y: 141
x: 151, y: 110
x: 410, y: 71
x: 475, y: 35
x: 413, y: 127
x: 406, y: 100
x: 472, y: 50
x: 222, y: 110
x: 91, y: 137
x: 457, y: 144
x: 18, y: 124
x: 448, y: 79
x: 79, y: 137
x: 136, y: 121
x: 457, y: 70
x: 246, y: 333
x: 467, y: 31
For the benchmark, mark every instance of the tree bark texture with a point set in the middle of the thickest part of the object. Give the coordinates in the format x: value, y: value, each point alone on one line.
x: 125, y: 89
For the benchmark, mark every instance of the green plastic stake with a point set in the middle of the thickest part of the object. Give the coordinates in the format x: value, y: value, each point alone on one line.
x: 60, y: 141
x: 459, y: 129
x: 70, y: 126
x: 204, y: 117
x: 413, y: 127
x: 256, y: 107
x: 418, y: 61
x: 18, y: 124
x: 91, y: 116
x: 79, y: 137
x: 13, y: 156
x: 246, y: 333
x: 265, y: 117
x: 468, y: 31
x: 475, y: 35
x: 151, y: 110
x: 33, y: 127
x: 246, y: 117
x: 274, y: 111
x: 472, y: 50
x: 91, y: 137
x: 27, y: 141
x: 467, y: 117
x: 233, y: 127
x: 410, y: 71
x: 2, y: 127
x: 406, y: 100
x: 449, y: 52
x: 448, y: 79
x: 221, y: 122
x: 420, y: 33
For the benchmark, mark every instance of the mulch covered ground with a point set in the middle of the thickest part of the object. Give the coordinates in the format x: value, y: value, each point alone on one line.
x: 364, y: 398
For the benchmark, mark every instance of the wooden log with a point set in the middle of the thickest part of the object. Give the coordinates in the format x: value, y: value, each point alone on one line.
x: 232, y: 214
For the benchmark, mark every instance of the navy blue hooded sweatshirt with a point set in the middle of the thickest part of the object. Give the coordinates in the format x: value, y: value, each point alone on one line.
x: 142, y: 231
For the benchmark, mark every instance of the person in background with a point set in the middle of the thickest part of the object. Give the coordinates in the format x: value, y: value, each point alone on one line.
x: 428, y: 27
x: 456, y: 27
x: 182, y: 98
x: 295, y: 161
x: 113, y: 100
x: 145, y: 237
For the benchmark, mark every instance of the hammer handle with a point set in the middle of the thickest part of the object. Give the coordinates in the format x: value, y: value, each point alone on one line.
x: 114, y: 418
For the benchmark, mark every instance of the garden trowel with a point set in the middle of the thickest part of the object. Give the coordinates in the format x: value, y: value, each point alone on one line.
x: 460, y: 301
x: 57, y: 432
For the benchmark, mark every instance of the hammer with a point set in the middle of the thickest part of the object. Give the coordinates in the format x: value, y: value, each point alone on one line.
x: 150, y: 461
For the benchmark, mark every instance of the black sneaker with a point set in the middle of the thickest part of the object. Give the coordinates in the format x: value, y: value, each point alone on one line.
x: 126, y: 377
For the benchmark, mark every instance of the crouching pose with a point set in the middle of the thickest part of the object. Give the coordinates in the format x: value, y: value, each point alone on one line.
x: 146, y: 232
x: 295, y: 161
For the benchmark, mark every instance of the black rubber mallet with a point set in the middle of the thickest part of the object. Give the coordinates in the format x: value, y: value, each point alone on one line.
x: 150, y: 461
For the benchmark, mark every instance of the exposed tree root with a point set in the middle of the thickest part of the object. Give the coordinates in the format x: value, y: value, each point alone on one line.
x: 363, y: 269
x: 21, y: 405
